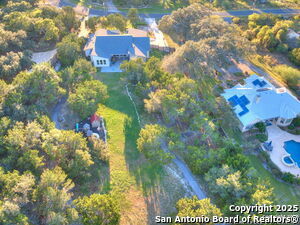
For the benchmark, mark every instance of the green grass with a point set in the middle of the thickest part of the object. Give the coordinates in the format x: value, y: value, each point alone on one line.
x: 285, y: 193
x: 161, y: 7
x: 127, y: 166
x: 157, y: 53
x: 130, y: 174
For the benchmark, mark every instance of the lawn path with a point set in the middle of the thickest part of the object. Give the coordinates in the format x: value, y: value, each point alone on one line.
x: 123, y: 128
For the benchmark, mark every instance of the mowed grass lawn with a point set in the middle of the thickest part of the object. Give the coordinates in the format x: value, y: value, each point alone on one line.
x: 286, y: 193
x: 130, y: 173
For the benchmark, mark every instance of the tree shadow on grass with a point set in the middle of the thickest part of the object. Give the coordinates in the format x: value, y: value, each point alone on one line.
x: 147, y: 174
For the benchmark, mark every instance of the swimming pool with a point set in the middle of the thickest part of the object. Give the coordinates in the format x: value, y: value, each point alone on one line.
x: 293, y: 148
x: 288, y: 160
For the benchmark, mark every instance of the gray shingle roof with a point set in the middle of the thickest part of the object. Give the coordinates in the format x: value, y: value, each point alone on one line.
x: 111, y: 44
x: 106, y: 46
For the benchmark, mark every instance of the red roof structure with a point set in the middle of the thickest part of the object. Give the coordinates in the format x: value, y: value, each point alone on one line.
x: 94, y: 117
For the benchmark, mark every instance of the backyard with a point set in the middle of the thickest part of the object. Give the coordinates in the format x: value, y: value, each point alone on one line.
x: 284, y: 192
x: 148, y: 190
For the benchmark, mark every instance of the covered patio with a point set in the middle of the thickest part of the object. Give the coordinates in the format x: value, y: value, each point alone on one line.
x: 113, y: 68
x: 278, y: 138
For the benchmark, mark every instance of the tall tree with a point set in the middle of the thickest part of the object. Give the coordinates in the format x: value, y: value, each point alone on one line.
x: 133, y: 16
x: 150, y: 143
x: 33, y: 92
x: 69, y: 150
x: 15, y: 192
x: 225, y: 183
x: 86, y: 97
x: 81, y: 71
x: 69, y: 49
x: 52, y: 197
x: 193, y: 207
x: 178, y: 24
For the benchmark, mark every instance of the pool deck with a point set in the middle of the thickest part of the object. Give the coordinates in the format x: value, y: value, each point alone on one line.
x: 278, y: 137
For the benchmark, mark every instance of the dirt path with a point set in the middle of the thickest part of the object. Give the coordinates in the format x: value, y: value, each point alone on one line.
x: 56, y: 112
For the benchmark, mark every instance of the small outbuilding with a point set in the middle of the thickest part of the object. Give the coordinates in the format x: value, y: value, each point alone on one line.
x: 95, y: 121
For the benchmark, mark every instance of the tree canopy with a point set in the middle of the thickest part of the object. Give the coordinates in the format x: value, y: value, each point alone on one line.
x: 150, y: 143
x: 98, y: 209
x: 193, y: 207
x: 86, y: 97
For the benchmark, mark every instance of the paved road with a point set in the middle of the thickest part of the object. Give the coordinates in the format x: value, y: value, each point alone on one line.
x: 259, y: 11
x: 159, y: 39
x: 111, y: 7
x: 98, y: 12
x: 188, y: 175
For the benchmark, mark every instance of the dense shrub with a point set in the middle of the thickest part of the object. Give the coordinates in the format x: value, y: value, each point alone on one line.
x: 85, y: 98
x: 261, y: 127
x: 296, y: 122
x: 290, y: 75
x: 262, y: 137
x: 288, y: 177
x: 295, y: 56
x: 69, y: 49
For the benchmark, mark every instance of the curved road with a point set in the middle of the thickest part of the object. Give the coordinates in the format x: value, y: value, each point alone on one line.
x: 189, y: 177
x: 187, y: 174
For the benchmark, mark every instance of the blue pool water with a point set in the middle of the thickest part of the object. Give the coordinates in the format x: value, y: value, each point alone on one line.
x: 293, y: 148
x: 288, y: 160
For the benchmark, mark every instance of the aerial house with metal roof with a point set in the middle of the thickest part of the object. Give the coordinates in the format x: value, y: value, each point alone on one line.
x: 106, y: 47
x: 259, y: 101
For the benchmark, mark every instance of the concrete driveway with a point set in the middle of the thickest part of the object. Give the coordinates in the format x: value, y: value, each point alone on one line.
x: 159, y: 39
x: 114, y: 68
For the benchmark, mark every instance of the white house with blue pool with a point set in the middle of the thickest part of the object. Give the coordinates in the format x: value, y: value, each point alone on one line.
x: 259, y: 101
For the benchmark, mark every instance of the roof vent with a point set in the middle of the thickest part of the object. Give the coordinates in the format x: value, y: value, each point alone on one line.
x: 257, y: 99
x: 263, y: 89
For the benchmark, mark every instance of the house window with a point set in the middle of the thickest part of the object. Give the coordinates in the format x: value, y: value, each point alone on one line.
x: 101, y: 62
x: 104, y: 62
x: 98, y: 63
x: 288, y: 121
